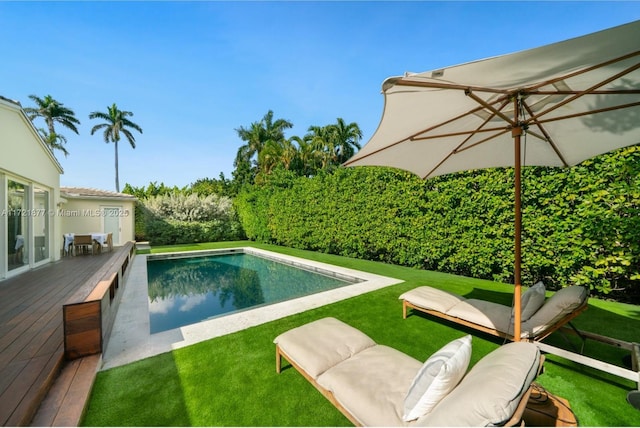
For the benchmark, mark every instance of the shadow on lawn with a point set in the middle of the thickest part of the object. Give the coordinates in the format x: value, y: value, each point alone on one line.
x: 145, y: 393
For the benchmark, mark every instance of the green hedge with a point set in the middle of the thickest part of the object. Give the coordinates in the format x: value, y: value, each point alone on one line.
x: 169, y: 232
x: 581, y: 225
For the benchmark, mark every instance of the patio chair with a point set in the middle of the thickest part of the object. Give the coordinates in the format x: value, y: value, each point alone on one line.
x: 375, y: 385
x: 109, y: 241
x: 540, y: 316
x: 82, y: 243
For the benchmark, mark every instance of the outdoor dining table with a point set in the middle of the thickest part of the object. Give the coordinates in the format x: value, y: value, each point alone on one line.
x: 99, y: 237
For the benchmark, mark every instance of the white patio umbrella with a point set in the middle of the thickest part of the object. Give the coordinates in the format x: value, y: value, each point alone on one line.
x: 573, y: 100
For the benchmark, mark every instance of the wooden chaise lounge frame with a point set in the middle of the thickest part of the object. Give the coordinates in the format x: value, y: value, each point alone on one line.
x: 540, y: 336
x: 560, y: 325
x: 515, y: 420
x: 327, y: 394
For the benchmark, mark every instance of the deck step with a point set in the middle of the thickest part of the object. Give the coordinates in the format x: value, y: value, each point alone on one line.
x: 67, y: 399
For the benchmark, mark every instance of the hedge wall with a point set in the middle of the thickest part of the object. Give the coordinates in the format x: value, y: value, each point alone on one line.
x: 581, y: 225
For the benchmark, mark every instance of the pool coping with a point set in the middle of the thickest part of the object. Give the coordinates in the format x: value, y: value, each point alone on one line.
x: 131, y: 341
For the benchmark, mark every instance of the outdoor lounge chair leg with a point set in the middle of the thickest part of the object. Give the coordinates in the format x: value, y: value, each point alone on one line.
x: 635, y: 361
x: 583, y: 338
x: 633, y: 397
x: 404, y: 309
x: 278, y: 359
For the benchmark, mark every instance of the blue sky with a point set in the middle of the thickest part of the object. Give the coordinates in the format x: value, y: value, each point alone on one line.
x: 193, y: 72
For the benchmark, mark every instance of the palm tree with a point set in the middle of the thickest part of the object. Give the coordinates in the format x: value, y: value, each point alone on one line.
x: 346, y: 139
x: 275, y: 130
x: 54, y: 141
x: 289, y: 153
x: 116, y: 123
x: 308, y: 157
x: 53, y: 111
x: 270, y: 156
x: 256, y: 137
x: 322, y: 142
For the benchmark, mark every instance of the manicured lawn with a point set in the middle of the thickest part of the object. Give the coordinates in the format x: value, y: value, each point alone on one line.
x: 231, y: 380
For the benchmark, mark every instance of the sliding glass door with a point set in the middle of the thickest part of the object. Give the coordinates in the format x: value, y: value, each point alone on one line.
x: 40, y: 215
x: 17, y: 225
x: 26, y: 223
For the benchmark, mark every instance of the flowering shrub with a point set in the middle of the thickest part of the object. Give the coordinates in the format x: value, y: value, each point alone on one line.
x: 179, y: 218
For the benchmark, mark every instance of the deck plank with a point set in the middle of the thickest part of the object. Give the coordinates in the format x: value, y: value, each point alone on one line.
x: 55, y: 398
x: 73, y: 386
x: 31, y: 330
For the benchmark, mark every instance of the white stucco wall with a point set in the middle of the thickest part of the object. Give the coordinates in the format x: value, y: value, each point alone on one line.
x: 25, y: 159
x: 88, y: 215
x: 21, y: 151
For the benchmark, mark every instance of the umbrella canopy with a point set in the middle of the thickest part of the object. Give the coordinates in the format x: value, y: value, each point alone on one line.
x: 573, y: 100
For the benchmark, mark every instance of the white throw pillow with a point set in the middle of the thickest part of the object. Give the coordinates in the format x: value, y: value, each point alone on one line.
x: 437, y: 377
x: 532, y: 300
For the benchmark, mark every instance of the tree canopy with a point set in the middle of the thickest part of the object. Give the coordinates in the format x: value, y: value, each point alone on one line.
x: 116, y: 122
x: 52, y: 111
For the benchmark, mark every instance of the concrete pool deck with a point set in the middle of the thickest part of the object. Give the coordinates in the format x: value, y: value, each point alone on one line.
x: 130, y: 338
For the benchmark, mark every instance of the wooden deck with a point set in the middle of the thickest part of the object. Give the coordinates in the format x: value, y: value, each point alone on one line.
x: 31, y: 331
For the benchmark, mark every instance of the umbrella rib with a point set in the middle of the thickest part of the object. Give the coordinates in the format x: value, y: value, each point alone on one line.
x: 459, y: 150
x: 477, y: 143
x: 438, y: 85
x: 489, y: 107
x: 586, y: 70
x: 586, y: 113
x: 585, y: 92
x: 545, y: 136
x: 603, y: 92
x: 471, y: 134
x: 414, y: 136
x: 456, y: 134
x: 410, y: 81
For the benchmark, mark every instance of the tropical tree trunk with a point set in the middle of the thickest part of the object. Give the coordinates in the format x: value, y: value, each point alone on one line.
x: 50, y: 125
x: 117, y: 180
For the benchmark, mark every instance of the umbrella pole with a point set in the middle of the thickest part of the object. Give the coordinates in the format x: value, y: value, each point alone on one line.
x: 517, y: 310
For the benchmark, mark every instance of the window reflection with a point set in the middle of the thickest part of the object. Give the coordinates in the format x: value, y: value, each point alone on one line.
x: 17, y: 248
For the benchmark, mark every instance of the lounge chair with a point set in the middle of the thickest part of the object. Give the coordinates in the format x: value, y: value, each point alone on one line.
x: 375, y: 385
x: 540, y: 316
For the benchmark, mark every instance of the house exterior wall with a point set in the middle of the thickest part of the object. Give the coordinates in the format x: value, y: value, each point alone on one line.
x: 90, y: 215
x: 27, y: 162
x: 22, y: 152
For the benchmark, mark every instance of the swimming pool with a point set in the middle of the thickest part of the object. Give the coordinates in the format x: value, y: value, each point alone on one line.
x: 185, y: 288
x: 131, y: 340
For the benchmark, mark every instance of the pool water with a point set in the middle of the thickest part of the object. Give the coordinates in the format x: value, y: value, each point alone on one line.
x: 185, y: 291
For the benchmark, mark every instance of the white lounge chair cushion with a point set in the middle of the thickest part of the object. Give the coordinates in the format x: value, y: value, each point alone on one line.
x: 437, y: 377
x: 320, y: 345
x: 485, y: 313
x: 489, y: 394
x: 532, y: 300
x: 562, y: 303
x: 432, y: 298
x: 372, y: 385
